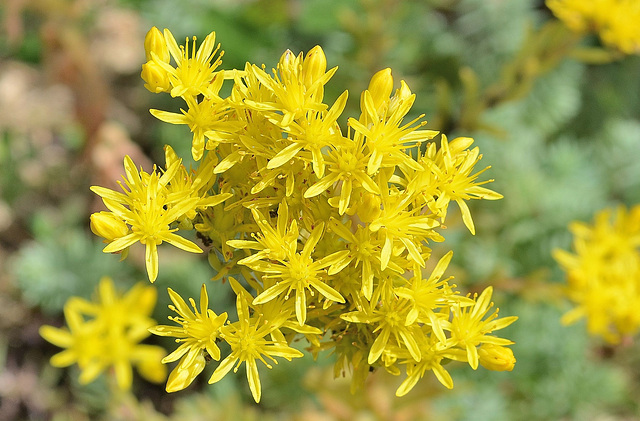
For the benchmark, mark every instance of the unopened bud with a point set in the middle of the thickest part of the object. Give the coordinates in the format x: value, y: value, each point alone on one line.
x: 156, y: 77
x: 155, y: 42
x: 380, y: 87
x: 108, y: 226
x: 496, y: 357
x: 314, y: 66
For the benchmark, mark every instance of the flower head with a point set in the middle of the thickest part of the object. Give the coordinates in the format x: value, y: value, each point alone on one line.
x: 194, y: 70
x: 603, y: 273
x: 616, y: 21
x: 106, y: 333
x: 248, y: 342
x: 197, y: 334
x: 470, y: 328
x: 147, y: 208
x: 327, y: 228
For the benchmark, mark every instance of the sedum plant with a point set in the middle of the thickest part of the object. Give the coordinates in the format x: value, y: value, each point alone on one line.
x: 321, y: 231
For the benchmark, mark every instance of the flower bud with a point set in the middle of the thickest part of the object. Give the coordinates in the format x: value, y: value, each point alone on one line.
x: 496, y: 357
x: 156, y: 77
x: 380, y: 87
x: 108, y: 226
x: 314, y: 66
x: 154, y: 42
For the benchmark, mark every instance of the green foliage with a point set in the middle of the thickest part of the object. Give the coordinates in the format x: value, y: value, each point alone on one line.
x: 64, y: 263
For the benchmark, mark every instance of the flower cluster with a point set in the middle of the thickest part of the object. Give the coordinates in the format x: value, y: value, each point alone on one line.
x: 603, y: 275
x: 615, y: 21
x: 322, y: 233
x: 106, y: 333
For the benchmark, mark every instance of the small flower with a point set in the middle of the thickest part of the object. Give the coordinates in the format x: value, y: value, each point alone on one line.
x: 147, y: 208
x: 387, y: 137
x: 429, y: 296
x: 603, y: 273
x: 107, y: 333
x: 207, y: 119
x: 434, y: 354
x: 297, y: 272
x: 193, y: 72
x: 445, y: 176
x: 314, y: 131
x: 616, y: 21
x: 389, y: 320
x: 246, y: 337
x: 468, y: 329
x: 198, y: 332
x: 190, y: 184
x: 347, y: 168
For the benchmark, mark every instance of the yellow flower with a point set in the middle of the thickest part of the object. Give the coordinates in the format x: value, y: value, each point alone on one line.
x: 403, y: 228
x: 315, y: 131
x: 433, y: 355
x: 347, y: 168
x: 273, y: 244
x: 429, y: 296
x: 198, y: 333
x: 364, y: 250
x: 296, y: 272
x: 207, y: 119
x: 616, y: 21
x: 445, y: 176
x: 389, y: 319
x: 193, y: 184
x: 387, y: 137
x: 193, y: 73
x: 246, y: 337
x: 295, y: 204
x: 147, y: 208
x: 107, y: 333
x: 468, y: 329
x: 603, y: 276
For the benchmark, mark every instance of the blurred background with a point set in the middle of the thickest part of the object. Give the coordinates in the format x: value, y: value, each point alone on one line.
x: 561, y: 132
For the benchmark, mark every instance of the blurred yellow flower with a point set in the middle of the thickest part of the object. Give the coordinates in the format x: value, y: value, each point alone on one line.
x: 106, y: 333
x: 603, y: 273
x: 615, y: 21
